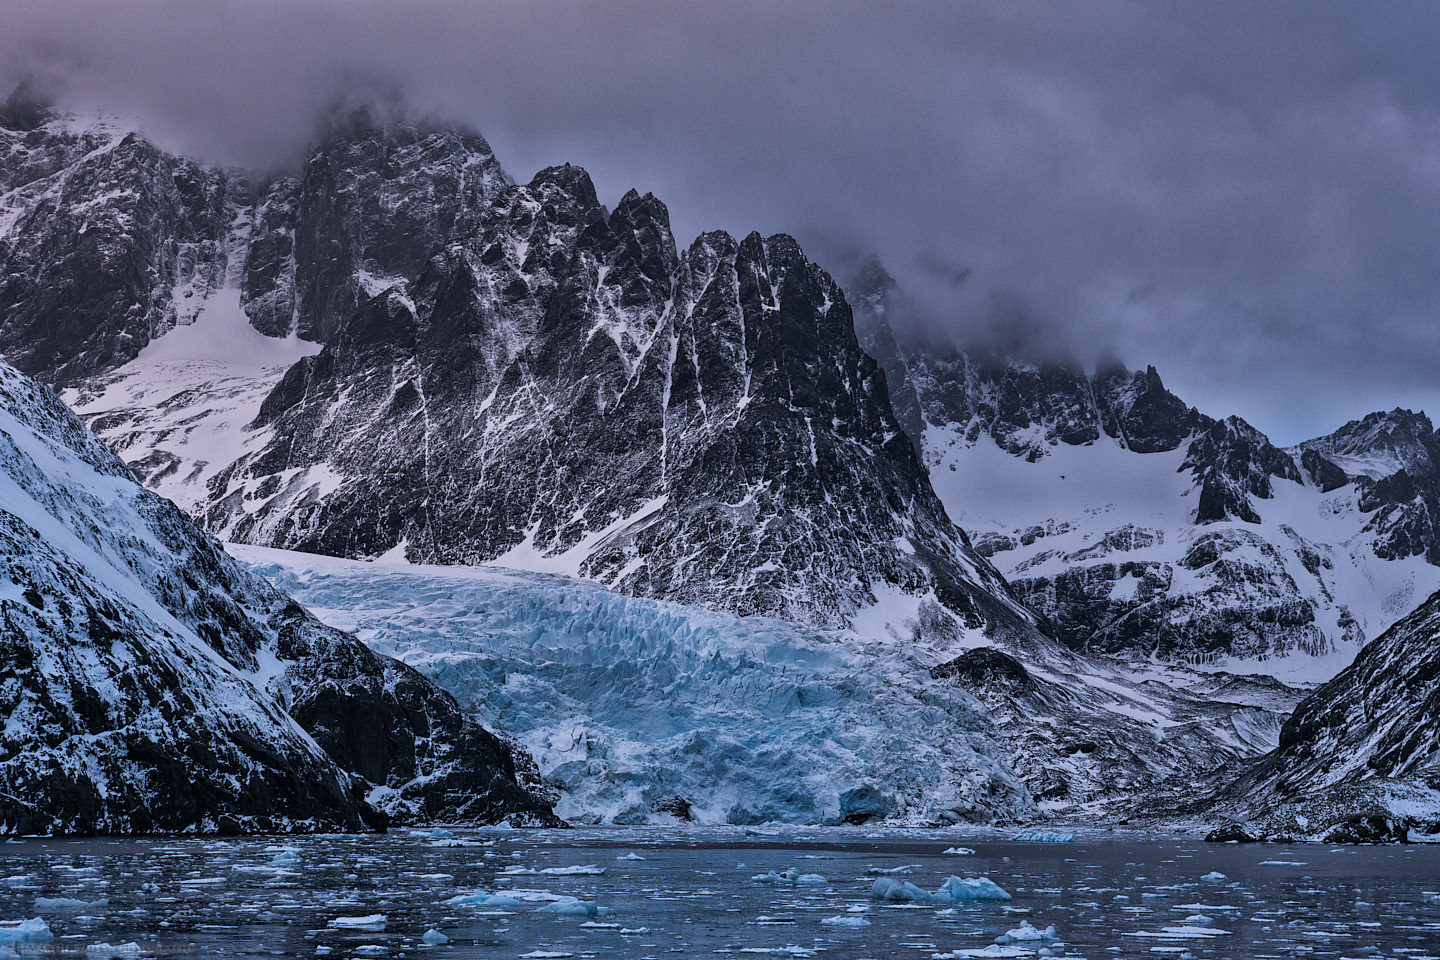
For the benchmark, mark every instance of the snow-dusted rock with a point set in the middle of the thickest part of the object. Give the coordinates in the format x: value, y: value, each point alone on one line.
x: 154, y: 684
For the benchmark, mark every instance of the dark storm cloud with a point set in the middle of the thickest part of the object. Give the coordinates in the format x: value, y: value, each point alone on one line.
x: 1245, y: 194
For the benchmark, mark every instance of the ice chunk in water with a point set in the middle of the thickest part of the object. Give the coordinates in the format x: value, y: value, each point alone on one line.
x: 631, y: 856
x: 952, y: 890
x: 846, y: 920
x: 131, y: 949
x: 1214, y: 876
x: 25, y: 931
x: 373, y: 923
x: 588, y: 870
x: 573, y: 907
x: 960, y: 851
x: 434, y: 937
x: 790, y: 876
x: 1028, y: 933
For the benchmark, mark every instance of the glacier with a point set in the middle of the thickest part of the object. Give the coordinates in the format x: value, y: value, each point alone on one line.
x: 639, y: 710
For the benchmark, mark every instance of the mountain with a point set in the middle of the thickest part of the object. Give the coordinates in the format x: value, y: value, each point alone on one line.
x: 478, y: 372
x: 153, y: 684
x: 1142, y: 528
x: 401, y: 356
x: 1360, y: 757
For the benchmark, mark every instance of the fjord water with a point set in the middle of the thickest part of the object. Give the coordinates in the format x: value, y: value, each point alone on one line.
x: 693, y: 893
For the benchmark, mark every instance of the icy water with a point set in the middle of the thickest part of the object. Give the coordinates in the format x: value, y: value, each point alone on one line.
x: 693, y: 894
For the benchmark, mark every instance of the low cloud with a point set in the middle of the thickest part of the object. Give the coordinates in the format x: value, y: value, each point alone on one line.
x: 1246, y: 195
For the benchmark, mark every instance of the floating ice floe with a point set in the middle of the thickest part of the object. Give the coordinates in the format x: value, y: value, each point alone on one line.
x: 481, y: 898
x: 960, y: 851
x: 545, y: 955
x: 434, y: 937
x: 790, y: 951
x: 33, y: 930
x: 286, y: 858
x: 1028, y: 933
x: 1179, y: 933
x: 890, y: 871
x: 69, y: 903
x: 954, y: 889
x: 1214, y: 876
x: 131, y: 949
x: 371, y: 950
x: 994, y: 950
x: 631, y: 856
x: 588, y: 870
x: 790, y: 876
x: 846, y: 920
x: 1043, y: 836
x: 373, y: 923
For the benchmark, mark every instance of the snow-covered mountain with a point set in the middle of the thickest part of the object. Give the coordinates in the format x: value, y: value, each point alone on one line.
x: 1139, y: 526
x: 151, y: 683
x: 399, y: 354
x: 482, y: 372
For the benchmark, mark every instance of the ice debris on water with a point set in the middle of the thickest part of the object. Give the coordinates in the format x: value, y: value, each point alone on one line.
x: 960, y: 851
x: 131, y: 949
x: 954, y: 889
x: 1214, y: 876
x: 790, y: 876
x: 483, y: 898
x: 434, y: 937
x: 25, y: 931
x: 588, y: 870
x: 846, y: 920
x: 1043, y: 836
x: 631, y: 856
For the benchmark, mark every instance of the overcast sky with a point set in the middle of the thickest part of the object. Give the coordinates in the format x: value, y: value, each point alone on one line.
x: 1246, y: 195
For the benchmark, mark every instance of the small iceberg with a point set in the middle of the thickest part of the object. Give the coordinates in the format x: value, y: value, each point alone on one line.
x: 960, y: 851
x: 434, y: 937
x: 1043, y: 836
x: 574, y: 907
x: 953, y: 890
x: 131, y: 949
x: 1214, y: 876
x: 33, y: 930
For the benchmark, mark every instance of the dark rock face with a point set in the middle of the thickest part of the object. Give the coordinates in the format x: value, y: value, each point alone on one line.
x: 1325, y: 474
x: 101, y: 239
x: 153, y: 684
x: 1233, y: 461
x: 377, y: 199
x: 700, y: 427
x: 1367, y: 738
x: 106, y: 241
